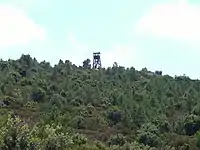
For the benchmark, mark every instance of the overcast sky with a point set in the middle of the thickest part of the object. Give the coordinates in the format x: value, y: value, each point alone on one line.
x: 157, y: 34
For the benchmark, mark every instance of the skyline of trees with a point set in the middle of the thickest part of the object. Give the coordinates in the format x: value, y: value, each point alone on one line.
x: 69, y: 107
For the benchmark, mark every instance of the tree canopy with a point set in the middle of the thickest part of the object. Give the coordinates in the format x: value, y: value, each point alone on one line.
x: 69, y: 107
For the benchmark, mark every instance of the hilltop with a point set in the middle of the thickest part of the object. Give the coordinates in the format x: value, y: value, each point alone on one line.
x: 69, y: 107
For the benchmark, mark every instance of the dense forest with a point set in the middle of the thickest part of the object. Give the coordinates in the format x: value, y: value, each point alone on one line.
x: 69, y: 107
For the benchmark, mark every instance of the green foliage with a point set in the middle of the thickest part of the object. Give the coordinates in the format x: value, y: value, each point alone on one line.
x: 66, y: 107
x: 198, y: 138
x: 149, y: 134
x: 192, y: 124
x: 117, y: 140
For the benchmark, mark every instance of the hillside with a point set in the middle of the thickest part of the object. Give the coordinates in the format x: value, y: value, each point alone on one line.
x: 66, y: 107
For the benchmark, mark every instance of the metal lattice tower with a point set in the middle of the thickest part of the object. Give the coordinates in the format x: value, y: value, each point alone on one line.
x: 96, y: 60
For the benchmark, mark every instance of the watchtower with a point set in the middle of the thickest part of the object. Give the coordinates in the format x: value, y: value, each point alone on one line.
x: 96, y: 60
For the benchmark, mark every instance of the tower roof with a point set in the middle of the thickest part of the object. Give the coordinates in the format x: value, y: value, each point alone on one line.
x: 98, y: 53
